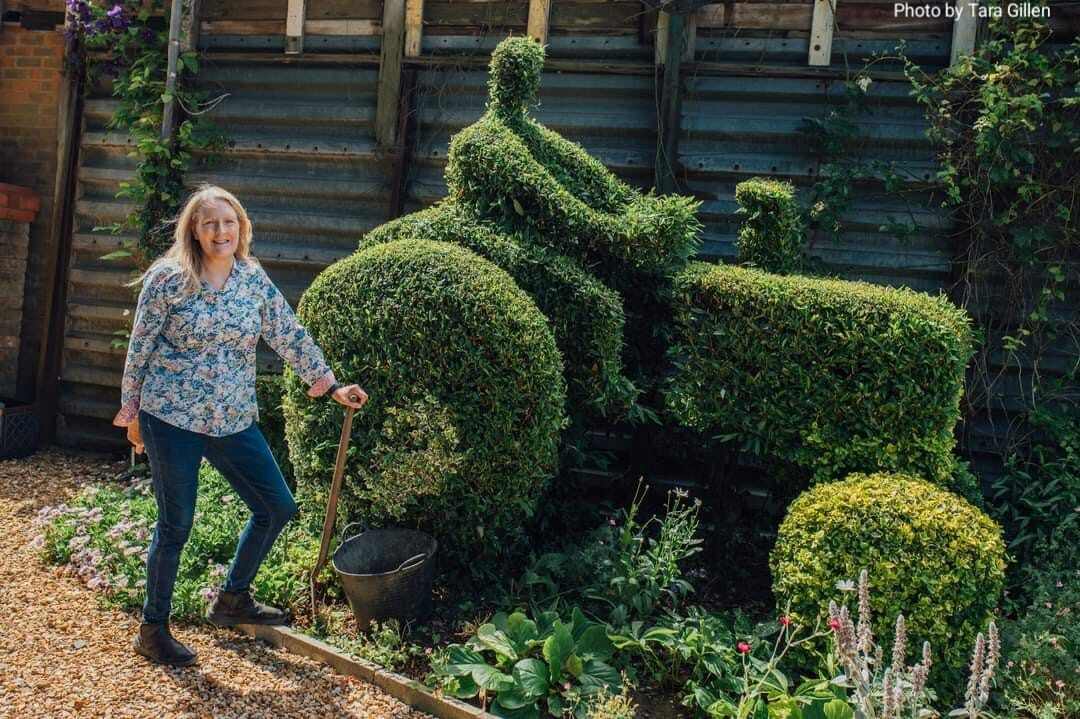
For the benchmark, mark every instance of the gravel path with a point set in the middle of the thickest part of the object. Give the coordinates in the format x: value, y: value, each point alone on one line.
x: 63, y: 656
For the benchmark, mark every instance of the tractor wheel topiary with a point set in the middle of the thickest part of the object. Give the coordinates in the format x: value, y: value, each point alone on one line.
x: 930, y: 555
x: 466, y: 392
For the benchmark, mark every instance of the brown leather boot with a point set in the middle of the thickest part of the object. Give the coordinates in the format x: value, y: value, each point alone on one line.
x: 232, y: 608
x: 157, y: 644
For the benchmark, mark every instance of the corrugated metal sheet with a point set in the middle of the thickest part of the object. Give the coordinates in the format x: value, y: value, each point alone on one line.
x: 302, y: 160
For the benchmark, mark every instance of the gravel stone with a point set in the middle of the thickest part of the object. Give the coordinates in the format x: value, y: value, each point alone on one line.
x: 61, y: 655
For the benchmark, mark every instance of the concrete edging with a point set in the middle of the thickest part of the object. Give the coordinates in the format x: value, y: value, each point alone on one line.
x: 408, y: 691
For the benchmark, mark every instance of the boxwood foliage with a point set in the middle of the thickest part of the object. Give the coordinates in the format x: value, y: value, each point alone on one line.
x: 772, y: 234
x: 464, y: 378
x: 268, y: 395
x: 929, y: 553
x: 833, y: 376
x: 511, y: 170
x: 585, y: 315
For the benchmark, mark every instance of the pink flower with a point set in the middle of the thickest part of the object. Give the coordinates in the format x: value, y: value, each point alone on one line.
x: 743, y: 648
x: 834, y: 624
x: 785, y: 621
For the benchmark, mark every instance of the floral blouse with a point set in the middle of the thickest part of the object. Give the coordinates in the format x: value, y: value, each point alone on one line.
x: 191, y: 357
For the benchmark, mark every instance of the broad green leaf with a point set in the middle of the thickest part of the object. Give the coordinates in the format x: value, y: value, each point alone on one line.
x: 515, y: 698
x: 464, y: 687
x: 527, y: 712
x: 838, y: 709
x: 493, y: 639
x: 593, y: 643
x: 574, y: 665
x: 557, y: 648
x: 596, y: 674
x: 521, y: 629
x: 491, y: 678
x: 462, y: 660
x: 532, y: 676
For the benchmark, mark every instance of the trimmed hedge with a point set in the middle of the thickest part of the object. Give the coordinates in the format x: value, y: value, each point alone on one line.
x: 466, y: 392
x: 771, y: 237
x: 833, y: 376
x: 269, y: 389
x: 510, y: 170
x: 586, y: 316
x: 930, y: 554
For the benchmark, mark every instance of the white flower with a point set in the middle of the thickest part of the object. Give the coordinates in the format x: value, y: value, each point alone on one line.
x: 846, y: 585
x: 863, y: 83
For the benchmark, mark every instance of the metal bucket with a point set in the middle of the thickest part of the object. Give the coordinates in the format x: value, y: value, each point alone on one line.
x: 387, y: 573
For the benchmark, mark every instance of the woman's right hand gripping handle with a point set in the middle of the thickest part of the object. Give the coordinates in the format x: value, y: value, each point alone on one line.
x: 135, y: 436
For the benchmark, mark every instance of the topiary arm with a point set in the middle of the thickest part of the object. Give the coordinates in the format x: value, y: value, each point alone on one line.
x: 580, y: 173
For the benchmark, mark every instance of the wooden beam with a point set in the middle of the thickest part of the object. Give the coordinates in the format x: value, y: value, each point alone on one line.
x: 821, y: 32
x: 388, y: 99
x: 189, y: 26
x: 294, y: 27
x: 670, y: 103
x: 414, y: 27
x: 539, y: 12
x: 965, y: 28
x: 663, y: 29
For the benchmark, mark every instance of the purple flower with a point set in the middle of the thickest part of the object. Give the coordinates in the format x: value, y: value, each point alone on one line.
x: 147, y: 35
x: 116, y: 11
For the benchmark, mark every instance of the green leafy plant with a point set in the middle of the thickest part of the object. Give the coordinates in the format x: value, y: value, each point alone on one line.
x: 121, y: 42
x: 463, y: 373
x: 530, y: 668
x: 932, y: 554
x: 830, y: 375
x: 771, y: 236
x: 103, y: 535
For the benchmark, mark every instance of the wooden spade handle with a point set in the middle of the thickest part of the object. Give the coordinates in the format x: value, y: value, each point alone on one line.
x: 335, y: 491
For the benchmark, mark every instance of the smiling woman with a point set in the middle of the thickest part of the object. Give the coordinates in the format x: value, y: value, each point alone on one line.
x: 189, y: 388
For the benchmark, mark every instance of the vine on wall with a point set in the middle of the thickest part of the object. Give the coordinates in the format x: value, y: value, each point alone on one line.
x: 127, y: 42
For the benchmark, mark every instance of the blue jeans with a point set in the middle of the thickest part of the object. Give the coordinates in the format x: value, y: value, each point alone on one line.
x: 245, y: 461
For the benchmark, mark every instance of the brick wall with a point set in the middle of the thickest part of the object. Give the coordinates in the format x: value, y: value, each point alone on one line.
x: 30, y: 83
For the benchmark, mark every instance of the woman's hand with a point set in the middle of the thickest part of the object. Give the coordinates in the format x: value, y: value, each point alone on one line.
x: 350, y: 395
x: 135, y: 436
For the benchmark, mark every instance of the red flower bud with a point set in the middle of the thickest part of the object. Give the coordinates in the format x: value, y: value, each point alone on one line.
x: 743, y: 648
x: 834, y: 624
x: 785, y: 621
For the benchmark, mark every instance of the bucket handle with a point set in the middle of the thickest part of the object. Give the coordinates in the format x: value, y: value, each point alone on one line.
x: 412, y: 562
x: 348, y: 527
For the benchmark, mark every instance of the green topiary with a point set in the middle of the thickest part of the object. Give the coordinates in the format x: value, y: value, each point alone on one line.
x: 586, y: 316
x: 833, y: 376
x: 930, y: 555
x: 772, y: 233
x: 466, y: 396
x: 268, y: 393
x: 510, y: 170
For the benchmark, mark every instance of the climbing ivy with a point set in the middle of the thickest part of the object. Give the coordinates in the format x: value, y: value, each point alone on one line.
x: 127, y: 42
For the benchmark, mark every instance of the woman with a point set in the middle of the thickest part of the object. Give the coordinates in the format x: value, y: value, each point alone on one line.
x: 189, y: 392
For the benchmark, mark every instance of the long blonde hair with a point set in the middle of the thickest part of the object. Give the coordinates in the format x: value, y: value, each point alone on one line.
x: 185, y: 251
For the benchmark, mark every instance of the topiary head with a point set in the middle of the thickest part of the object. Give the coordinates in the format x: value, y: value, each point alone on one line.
x: 514, y: 78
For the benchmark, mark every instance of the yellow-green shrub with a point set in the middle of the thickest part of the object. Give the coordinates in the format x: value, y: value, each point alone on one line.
x: 833, y: 376
x: 930, y: 555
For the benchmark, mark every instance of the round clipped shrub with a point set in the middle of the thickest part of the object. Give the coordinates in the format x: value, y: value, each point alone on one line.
x: 467, y: 395
x: 930, y: 555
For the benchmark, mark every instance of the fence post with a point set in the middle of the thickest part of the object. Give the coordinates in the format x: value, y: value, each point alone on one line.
x: 965, y: 28
x: 539, y: 12
x: 294, y: 27
x: 672, y: 39
x: 821, y: 32
x: 414, y: 27
x: 393, y: 44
